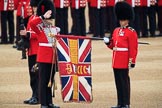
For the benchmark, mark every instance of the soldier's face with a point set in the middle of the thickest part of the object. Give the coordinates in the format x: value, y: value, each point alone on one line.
x: 124, y: 23
x: 35, y: 10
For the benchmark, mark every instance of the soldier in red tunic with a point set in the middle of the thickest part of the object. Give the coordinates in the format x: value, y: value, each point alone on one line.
x: 7, y: 8
x: 124, y: 45
x: 78, y: 11
x: 90, y: 18
x: 62, y: 15
x: 43, y: 25
x: 99, y: 7
x: 111, y: 23
x: 148, y: 11
x: 24, y: 11
x: 32, y: 55
x: 137, y: 7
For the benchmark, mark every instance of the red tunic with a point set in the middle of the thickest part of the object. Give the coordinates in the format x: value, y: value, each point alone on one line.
x: 134, y: 3
x: 97, y: 3
x: 8, y: 5
x: 148, y: 3
x: 33, y: 39
x: 110, y: 2
x: 61, y: 3
x: 78, y: 3
x: 24, y: 9
x: 124, y: 44
x: 159, y: 2
x: 45, y: 50
x: 131, y: 2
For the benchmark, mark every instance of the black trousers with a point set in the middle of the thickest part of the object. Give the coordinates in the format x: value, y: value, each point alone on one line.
x: 73, y: 21
x: 44, y: 78
x: 7, y: 17
x: 91, y: 20
x: 112, y: 21
x: 150, y: 12
x: 34, y: 76
x: 122, y: 82
x: 79, y: 21
x: 152, y: 19
x: 160, y: 18
x: 62, y: 19
x: 136, y: 23
x: 99, y: 23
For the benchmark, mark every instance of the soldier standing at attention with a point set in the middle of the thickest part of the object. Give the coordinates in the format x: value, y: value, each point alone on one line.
x: 62, y: 15
x: 112, y: 23
x: 136, y: 4
x: 99, y: 8
x: 24, y: 11
x: 43, y: 25
x: 160, y: 17
x: 7, y: 8
x: 78, y: 9
x: 90, y: 19
x: 124, y: 45
x: 148, y: 9
x: 32, y: 55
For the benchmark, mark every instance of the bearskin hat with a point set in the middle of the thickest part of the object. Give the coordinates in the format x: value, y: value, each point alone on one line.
x: 124, y: 11
x: 34, y: 3
x: 44, y: 6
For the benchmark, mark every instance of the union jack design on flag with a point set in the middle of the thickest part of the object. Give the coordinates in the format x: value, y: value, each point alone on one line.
x: 74, y: 62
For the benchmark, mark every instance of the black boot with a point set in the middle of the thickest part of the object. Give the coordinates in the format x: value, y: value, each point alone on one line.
x: 53, y: 106
x: 33, y: 101
x: 117, y: 106
x: 27, y: 101
x: 125, y: 106
x: 42, y: 106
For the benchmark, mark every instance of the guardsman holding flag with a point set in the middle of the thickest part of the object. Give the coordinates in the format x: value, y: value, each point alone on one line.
x: 124, y: 45
x: 43, y: 25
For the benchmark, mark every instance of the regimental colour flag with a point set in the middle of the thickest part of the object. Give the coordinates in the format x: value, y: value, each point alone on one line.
x: 74, y: 62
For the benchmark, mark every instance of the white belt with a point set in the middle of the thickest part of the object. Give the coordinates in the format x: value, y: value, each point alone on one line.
x: 46, y: 44
x: 120, y: 49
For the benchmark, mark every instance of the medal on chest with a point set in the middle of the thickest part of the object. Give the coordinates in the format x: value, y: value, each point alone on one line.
x: 121, y: 32
x: 51, y: 34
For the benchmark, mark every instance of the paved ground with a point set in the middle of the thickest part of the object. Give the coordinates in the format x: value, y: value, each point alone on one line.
x: 146, y: 78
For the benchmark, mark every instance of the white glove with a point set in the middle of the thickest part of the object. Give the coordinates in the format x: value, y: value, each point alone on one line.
x: 58, y: 29
x: 131, y: 65
x: 106, y: 39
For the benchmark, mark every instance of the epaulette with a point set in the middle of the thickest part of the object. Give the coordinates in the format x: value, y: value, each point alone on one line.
x: 130, y: 28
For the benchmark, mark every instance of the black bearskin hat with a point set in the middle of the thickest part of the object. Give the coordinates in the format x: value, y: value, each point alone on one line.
x: 44, y: 6
x: 34, y: 3
x: 124, y: 11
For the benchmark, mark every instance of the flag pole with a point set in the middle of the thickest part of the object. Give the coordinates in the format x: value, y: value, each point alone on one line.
x: 98, y: 38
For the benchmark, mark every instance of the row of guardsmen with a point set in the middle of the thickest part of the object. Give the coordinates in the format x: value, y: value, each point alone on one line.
x: 100, y: 14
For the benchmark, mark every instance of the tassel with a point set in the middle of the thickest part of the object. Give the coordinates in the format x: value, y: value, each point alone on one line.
x: 49, y: 84
x: 55, y: 85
